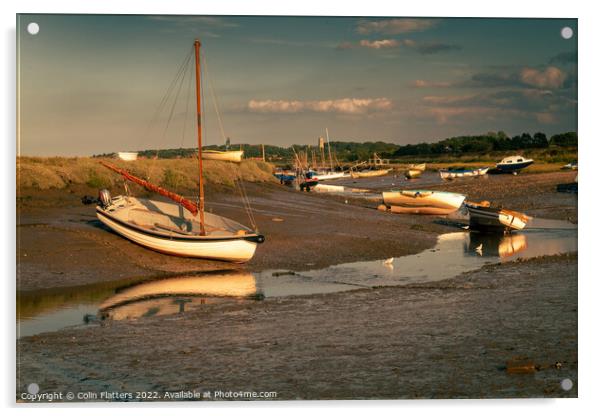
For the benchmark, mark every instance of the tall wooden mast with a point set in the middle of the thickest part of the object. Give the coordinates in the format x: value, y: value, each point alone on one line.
x: 197, y: 53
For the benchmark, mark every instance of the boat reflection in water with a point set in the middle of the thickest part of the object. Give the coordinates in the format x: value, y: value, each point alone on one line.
x: 495, y: 245
x: 175, y: 295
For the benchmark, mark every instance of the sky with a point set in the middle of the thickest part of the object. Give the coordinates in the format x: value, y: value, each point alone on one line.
x: 92, y: 84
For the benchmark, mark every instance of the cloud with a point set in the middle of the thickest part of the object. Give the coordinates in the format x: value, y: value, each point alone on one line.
x: 564, y: 58
x: 343, y: 105
x: 420, y: 83
x: 443, y: 115
x: 538, y: 104
x: 379, y: 44
x: 371, y: 44
x: 394, y: 26
x: 427, y: 48
x: 551, y: 77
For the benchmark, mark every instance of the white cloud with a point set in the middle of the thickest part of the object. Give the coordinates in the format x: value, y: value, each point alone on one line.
x: 343, y: 105
x: 379, y: 44
x: 394, y: 26
x: 551, y: 77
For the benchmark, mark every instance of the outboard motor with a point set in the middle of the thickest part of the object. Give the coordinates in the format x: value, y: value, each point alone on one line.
x: 104, y: 198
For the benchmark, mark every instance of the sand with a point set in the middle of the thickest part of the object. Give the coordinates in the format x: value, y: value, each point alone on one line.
x: 452, y: 339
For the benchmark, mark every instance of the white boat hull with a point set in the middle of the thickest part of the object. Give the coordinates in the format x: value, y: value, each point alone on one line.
x: 227, y: 156
x: 445, y: 174
x: 220, y: 245
x: 423, y: 202
x: 490, y: 219
x: 127, y: 156
x: 330, y: 175
x: 370, y: 173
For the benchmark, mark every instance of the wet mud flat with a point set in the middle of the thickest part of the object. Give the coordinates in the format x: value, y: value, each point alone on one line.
x: 63, y: 244
x: 456, y: 338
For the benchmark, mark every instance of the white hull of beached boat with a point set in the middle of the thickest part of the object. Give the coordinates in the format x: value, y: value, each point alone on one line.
x: 486, y: 218
x: 127, y: 156
x: 370, y: 173
x: 450, y: 174
x: 169, y: 228
x: 413, y: 173
x: 423, y: 202
x: 330, y: 175
x: 227, y: 156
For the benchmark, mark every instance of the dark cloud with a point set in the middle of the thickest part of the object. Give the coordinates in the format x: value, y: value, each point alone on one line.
x: 548, y: 77
x: 564, y: 58
x: 428, y: 48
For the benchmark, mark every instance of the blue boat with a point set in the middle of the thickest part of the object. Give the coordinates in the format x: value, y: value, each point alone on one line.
x: 285, y: 178
x: 513, y: 164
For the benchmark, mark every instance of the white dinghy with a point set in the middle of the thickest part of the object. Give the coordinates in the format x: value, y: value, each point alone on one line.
x: 182, y: 227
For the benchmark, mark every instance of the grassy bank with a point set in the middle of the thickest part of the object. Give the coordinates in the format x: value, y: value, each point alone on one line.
x: 180, y: 175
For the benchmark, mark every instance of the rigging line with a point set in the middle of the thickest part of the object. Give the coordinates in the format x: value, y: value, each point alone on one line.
x: 180, y: 81
x: 215, y: 103
x: 188, y: 101
x: 173, y: 106
x: 239, y: 184
x: 167, y: 93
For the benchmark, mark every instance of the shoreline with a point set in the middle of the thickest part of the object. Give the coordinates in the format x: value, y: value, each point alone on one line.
x: 453, y: 339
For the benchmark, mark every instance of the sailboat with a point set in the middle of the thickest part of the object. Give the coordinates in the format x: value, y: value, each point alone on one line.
x: 181, y: 227
x: 329, y: 173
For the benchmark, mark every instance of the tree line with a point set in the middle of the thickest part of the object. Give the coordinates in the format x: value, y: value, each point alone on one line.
x: 489, y: 142
x: 353, y: 151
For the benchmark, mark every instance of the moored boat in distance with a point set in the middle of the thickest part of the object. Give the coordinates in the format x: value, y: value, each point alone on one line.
x: 513, y: 164
x: 570, y: 166
x: 369, y: 173
x: 414, y: 171
x: 224, y: 156
x: 483, y: 217
x: 285, y: 177
x: 329, y: 175
x: 127, y: 156
x: 462, y: 173
x: 423, y: 201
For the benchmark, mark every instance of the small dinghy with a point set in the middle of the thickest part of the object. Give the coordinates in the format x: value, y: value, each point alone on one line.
x: 462, y: 173
x: 369, y: 173
x: 224, y: 156
x: 483, y: 217
x: 423, y: 202
x: 181, y: 227
x: 415, y: 171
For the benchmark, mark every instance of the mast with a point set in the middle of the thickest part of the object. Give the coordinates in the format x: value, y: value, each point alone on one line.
x: 197, y: 47
x: 329, y: 154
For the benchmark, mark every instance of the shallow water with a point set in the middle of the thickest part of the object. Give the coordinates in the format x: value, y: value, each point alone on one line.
x: 454, y: 253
